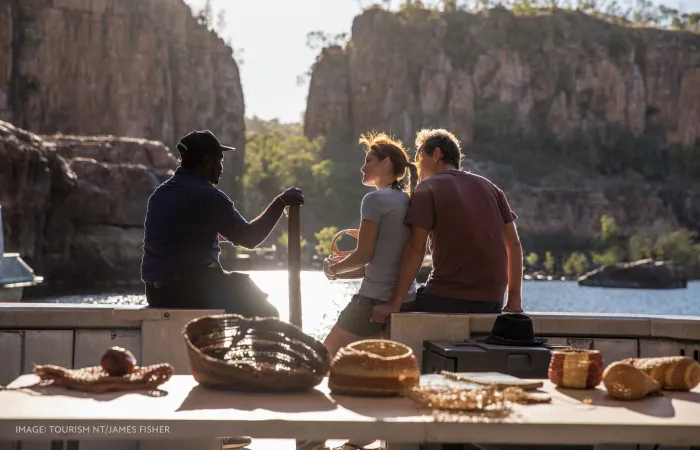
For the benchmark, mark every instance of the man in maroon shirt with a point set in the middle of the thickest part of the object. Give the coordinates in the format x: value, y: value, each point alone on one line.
x: 471, y: 231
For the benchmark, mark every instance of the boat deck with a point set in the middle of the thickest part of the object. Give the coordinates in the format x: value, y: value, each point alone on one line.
x: 77, y: 335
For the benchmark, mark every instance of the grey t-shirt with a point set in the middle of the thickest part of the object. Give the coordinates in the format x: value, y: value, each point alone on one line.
x: 386, y: 207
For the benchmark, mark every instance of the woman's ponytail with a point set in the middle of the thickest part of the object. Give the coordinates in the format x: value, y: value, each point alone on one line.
x: 412, y: 178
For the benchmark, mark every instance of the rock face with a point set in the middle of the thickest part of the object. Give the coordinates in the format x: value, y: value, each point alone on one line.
x: 643, y: 274
x: 563, y: 81
x: 572, y: 211
x: 566, y: 72
x: 136, y: 68
x: 74, y: 207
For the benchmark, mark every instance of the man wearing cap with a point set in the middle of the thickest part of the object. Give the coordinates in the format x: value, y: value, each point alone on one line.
x: 187, y: 217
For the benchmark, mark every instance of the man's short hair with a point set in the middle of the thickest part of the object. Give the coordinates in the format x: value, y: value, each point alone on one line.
x: 448, y: 144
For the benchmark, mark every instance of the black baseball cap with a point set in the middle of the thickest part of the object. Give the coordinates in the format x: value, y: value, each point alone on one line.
x: 201, y: 142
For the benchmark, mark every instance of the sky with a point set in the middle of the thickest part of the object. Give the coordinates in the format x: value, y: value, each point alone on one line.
x: 272, y: 36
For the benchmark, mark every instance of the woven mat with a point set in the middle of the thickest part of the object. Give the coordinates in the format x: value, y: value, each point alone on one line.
x: 95, y: 379
x: 526, y: 385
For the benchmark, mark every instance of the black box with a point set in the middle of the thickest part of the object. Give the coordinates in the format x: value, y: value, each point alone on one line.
x: 473, y: 356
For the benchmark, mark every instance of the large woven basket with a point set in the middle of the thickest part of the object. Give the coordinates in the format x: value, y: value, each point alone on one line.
x: 576, y: 369
x: 337, y: 256
x: 228, y: 351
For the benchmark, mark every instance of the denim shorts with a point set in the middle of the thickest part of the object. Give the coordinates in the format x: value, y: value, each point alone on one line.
x: 356, y: 316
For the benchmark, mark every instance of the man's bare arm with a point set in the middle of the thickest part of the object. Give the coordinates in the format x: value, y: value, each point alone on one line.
x: 411, y: 261
x: 515, y: 269
x: 260, y: 228
x: 252, y: 234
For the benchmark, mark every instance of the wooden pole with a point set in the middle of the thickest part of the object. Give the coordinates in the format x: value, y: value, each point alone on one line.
x: 294, y: 264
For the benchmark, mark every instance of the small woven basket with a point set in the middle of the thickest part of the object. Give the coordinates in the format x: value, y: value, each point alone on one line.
x: 337, y: 256
x: 374, y: 367
x: 230, y: 352
x: 576, y: 369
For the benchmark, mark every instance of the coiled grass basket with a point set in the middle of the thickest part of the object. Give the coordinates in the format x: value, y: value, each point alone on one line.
x: 230, y: 352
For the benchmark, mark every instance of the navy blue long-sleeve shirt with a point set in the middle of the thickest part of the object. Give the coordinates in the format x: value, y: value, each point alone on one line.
x: 185, y: 216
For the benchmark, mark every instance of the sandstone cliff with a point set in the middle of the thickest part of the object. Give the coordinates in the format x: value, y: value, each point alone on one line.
x: 587, y: 102
x: 135, y: 68
x: 73, y: 207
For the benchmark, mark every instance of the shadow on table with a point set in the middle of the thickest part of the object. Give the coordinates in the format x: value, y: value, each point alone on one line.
x: 201, y: 398
x: 50, y: 390
x: 380, y: 408
x: 655, y: 405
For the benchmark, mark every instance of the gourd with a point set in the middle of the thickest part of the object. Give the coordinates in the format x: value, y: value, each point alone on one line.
x: 625, y: 382
x: 672, y: 372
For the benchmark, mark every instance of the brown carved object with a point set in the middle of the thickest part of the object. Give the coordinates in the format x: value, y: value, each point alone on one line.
x: 118, y: 362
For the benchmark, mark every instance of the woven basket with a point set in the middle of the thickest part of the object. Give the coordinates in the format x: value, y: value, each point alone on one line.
x: 231, y: 352
x: 577, y: 369
x: 374, y: 367
x: 95, y: 379
x: 337, y: 256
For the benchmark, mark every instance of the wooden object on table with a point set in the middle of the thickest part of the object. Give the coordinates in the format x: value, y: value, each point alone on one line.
x: 499, y: 380
x: 626, y: 382
x: 294, y: 264
x: 672, y: 372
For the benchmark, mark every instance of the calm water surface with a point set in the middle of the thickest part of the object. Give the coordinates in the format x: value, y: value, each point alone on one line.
x: 322, y: 300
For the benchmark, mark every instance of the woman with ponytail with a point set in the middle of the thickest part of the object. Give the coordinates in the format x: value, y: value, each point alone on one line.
x: 381, y: 240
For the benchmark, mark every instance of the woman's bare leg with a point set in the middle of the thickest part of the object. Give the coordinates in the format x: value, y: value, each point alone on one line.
x: 339, y: 338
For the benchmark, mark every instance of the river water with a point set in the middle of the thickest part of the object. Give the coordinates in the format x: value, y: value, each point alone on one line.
x: 322, y: 300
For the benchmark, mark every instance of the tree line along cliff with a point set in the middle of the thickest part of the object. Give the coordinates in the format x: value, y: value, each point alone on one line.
x: 575, y: 117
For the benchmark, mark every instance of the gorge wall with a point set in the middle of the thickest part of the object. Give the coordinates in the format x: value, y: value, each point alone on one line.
x: 134, y: 68
x: 73, y: 207
x: 77, y: 73
x: 592, y: 101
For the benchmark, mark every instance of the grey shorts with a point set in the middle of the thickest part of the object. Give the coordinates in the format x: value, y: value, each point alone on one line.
x: 355, y: 318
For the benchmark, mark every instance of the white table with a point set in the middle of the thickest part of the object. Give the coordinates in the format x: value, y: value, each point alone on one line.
x: 192, y: 412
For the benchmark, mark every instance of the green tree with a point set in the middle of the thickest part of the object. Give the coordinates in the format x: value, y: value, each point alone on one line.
x: 325, y: 238
x: 639, y: 247
x: 679, y: 246
x: 449, y: 5
x: 612, y: 255
x: 532, y: 258
x: 283, y: 241
x: 609, y: 232
x: 549, y: 262
x: 577, y: 264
